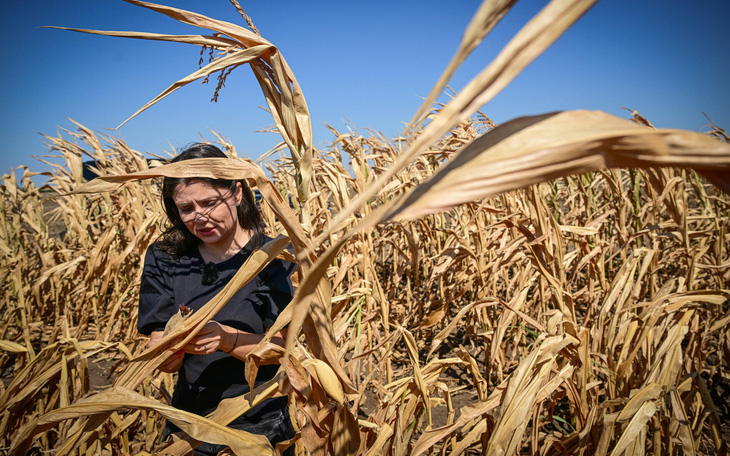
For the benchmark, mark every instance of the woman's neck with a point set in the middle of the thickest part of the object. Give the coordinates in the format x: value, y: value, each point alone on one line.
x: 226, y: 247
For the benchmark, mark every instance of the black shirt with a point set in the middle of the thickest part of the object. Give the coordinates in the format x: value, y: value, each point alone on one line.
x: 169, y: 282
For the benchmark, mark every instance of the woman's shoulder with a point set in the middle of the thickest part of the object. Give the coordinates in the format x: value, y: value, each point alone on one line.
x: 159, y: 253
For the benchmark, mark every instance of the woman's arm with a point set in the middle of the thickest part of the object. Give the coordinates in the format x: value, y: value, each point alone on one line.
x: 171, y: 364
x: 215, y: 336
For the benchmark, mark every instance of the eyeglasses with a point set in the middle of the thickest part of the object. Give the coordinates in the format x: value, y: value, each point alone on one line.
x: 189, y: 213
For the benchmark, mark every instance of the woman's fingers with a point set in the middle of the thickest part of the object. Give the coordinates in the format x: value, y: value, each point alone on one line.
x: 155, y: 337
x: 174, y: 358
x: 207, y: 341
x: 172, y: 363
x: 197, y: 347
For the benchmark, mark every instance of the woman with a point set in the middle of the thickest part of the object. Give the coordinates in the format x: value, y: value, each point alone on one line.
x: 215, y: 227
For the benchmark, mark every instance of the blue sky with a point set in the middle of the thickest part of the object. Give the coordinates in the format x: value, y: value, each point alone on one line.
x: 364, y: 64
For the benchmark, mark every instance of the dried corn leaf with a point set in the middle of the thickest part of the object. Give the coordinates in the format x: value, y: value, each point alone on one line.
x: 519, y: 397
x: 418, y: 375
x: 650, y: 392
x: 12, y: 347
x: 241, y: 442
x: 634, y: 427
x: 199, y: 40
x: 530, y: 150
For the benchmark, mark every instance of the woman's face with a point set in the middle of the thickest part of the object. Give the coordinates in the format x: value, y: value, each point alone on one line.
x: 209, y: 212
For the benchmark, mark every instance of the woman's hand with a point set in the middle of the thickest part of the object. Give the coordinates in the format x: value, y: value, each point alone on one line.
x: 172, y: 363
x: 211, y: 338
x: 215, y: 336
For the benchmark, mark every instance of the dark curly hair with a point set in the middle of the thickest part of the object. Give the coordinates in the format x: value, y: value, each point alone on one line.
x: 177, y: 239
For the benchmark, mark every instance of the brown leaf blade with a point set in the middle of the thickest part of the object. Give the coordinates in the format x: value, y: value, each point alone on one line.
x: 241, y: 442
x: 233, y: 59
x: 637, y: 423
x: 199, y: 40
x: 529, y: 150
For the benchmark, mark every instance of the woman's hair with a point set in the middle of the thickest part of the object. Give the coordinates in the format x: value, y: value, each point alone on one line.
x: 177, y: 239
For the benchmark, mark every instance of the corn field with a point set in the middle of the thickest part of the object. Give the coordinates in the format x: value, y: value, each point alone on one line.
x: 554, y: 285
